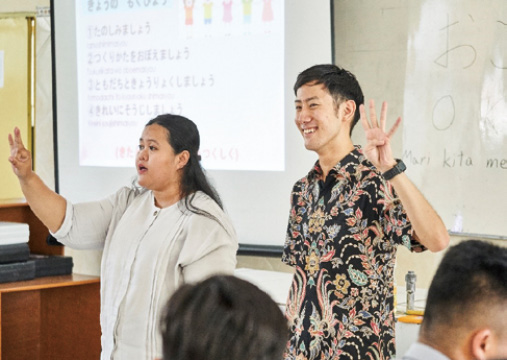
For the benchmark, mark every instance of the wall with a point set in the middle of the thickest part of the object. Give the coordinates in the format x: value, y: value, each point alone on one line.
x: 27, y: 6
x: 15, y: 55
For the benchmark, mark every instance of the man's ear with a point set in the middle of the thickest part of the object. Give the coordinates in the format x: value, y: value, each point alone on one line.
x: 349, y: 109
x: 182, y: 159
x: 481, y: 343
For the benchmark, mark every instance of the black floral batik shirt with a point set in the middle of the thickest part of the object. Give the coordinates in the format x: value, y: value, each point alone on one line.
x: 341, y: 238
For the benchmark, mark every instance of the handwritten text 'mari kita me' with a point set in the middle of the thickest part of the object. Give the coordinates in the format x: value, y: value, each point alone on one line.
x: 458, y: 159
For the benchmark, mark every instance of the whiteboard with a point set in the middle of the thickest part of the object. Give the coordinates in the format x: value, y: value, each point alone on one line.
x: 441, y: 65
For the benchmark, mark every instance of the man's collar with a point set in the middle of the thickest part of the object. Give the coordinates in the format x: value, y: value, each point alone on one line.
x: 352, y: 158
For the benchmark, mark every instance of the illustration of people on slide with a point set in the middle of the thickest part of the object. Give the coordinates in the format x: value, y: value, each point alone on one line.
x: 267, y: 14
x: 227, y: 17
x: 189, y: 16
x: 247, y: 11
x: 208, y: 5
x: 247, y: 14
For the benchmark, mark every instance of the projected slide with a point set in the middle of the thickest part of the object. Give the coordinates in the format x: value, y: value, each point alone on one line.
x: 219, y: 63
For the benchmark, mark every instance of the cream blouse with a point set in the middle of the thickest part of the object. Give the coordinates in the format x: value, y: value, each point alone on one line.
x: 147, y: 253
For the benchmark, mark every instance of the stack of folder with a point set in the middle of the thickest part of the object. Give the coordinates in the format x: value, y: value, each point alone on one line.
x: 15, y: 253
x: 16, y: 262
x: 51, y: 265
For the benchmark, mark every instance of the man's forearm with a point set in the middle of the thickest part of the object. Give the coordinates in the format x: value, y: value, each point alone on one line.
x: 427, y: 224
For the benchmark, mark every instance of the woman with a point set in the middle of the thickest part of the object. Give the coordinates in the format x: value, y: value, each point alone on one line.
x: 172, y: 230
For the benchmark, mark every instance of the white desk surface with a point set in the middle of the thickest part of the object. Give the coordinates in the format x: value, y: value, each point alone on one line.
x: 274, y: 283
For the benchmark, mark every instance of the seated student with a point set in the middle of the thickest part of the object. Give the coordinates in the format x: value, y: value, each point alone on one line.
x: 222, y: 318
x: 466, y: 308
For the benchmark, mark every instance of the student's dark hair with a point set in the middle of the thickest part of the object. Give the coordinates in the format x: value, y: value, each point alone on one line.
x: 471, y: 278
x: 340, y: 83
x: 222, y: 318
x: 184, y: 135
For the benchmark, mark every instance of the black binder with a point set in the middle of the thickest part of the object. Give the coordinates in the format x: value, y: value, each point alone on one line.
x: 51, y: 265
x: 13, y: 253
x: 17, y: 271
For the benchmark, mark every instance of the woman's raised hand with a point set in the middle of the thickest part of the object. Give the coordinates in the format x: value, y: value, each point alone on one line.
x: 20, y: 158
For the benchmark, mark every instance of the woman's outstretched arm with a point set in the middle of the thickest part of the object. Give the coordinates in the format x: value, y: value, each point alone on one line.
x: 46, y: 204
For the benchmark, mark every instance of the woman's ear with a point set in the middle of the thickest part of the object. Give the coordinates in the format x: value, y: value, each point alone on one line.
x: 182, y: 159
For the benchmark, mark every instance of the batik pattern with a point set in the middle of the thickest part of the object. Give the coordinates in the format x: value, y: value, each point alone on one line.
x: 342, y: 238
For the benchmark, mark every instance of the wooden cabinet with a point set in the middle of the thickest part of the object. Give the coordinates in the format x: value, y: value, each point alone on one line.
x: 54, y: 317
x: 18, y: 211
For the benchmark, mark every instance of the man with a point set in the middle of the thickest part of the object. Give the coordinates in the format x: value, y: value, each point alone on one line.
x: 466, y: 308
x: 222, y: 318
x: 348, y: 214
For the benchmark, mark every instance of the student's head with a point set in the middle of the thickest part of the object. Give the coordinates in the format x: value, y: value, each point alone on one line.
x: 222, y: 318
x: 339, y: 83
x: 183, y: 137
x: 466, y: 308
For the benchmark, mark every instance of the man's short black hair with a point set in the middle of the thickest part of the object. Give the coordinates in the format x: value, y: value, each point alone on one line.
x: 471, y: 280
